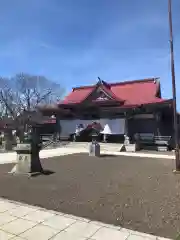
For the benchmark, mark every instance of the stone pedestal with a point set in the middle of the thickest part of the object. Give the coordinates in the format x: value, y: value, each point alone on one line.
x: 94, y: 149
x: 28, y: 162
x: 130, y: 148
x: 162, y: 148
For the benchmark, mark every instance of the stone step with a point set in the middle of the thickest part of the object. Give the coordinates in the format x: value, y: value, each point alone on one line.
x: 104, y: 146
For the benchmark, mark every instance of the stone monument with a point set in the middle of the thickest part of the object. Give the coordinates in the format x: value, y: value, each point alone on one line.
x: 28, y: 161
x: 126, y: 140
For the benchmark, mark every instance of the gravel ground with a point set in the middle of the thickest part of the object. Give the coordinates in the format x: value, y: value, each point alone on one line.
x: 137, y: 193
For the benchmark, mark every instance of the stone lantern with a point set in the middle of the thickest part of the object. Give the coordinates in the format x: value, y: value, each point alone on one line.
x: 28, y: 161
x: 94, y: 147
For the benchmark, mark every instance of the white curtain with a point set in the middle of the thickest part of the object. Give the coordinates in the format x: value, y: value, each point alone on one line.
x: 69, y: 127
x: 110, y: 126
x: 113, y: 126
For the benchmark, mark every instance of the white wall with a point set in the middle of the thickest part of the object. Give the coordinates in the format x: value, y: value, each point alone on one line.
x: 67, y: 127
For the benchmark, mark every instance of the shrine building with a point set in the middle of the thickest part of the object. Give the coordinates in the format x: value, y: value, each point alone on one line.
x: 121, y: 108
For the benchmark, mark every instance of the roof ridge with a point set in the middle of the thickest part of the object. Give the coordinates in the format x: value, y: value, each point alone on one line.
x: 83, y: 87
x: 135, y: 81
x: 120, y: 83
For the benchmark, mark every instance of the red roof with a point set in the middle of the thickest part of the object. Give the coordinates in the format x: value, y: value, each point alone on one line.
x: 132, y: 93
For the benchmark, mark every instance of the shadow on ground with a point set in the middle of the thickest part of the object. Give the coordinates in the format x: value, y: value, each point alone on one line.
x: 107, y: 155
x: 44, y: 172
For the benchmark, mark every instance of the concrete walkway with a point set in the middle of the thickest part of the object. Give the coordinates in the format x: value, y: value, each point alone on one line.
x: 20, y: 221
x: 11, y: 157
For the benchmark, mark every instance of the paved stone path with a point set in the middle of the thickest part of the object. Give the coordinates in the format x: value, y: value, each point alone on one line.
x: 115, y: 147
x: 19, y: 221
x: 111, y: 149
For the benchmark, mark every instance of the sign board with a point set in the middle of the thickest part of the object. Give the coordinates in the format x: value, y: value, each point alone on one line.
x: 23, y: 146
x: 23, y: 157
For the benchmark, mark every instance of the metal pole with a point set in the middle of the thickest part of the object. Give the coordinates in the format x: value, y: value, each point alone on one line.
x: 176, y: 137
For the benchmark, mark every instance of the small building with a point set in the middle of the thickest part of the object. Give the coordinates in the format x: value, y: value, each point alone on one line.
x: 46, y: 124
x: 122, y: 108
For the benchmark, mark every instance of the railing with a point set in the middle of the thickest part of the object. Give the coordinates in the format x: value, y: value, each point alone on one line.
x: 153, y: 140
x: 162, y: 140
x: 50, y: 139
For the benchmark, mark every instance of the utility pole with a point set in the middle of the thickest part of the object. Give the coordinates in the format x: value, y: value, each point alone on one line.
x: 176, y: 135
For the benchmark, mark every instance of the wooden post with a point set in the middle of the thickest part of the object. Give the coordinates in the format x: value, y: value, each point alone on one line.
x: 126, y: 123
x: 176, y: 135
x: 157, y: 119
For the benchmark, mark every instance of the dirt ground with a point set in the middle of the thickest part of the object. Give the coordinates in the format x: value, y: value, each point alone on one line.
x: 137, y: 193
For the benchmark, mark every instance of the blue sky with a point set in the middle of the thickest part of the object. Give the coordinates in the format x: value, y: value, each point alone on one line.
x: 75, y: 41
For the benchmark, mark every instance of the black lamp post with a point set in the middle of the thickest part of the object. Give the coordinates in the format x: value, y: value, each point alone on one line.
x: 94, y: 135
x: 176, y: 135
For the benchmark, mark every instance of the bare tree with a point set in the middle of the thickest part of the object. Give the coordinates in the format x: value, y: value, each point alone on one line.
x: 24, y: 92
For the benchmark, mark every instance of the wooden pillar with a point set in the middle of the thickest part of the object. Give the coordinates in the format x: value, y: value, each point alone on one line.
x: 126, y: 124
x: 105, y: 136
x: 157, y: 119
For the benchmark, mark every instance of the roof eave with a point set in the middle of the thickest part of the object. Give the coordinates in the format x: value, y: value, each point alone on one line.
x: 166, y: 101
